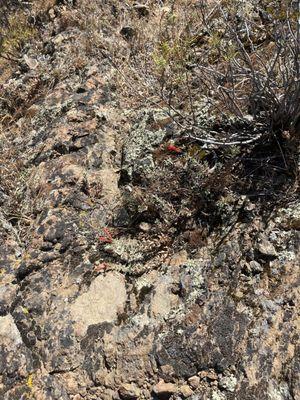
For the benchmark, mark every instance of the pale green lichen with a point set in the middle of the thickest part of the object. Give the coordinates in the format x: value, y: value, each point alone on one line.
x: 126, y: 250
x: 289, y: 217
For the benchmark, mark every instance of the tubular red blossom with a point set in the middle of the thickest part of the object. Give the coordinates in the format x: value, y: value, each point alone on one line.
x: 107, y: 237
x: 174, y: 149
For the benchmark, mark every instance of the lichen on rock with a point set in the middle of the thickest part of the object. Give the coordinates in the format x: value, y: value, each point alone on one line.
x: 137, y: 262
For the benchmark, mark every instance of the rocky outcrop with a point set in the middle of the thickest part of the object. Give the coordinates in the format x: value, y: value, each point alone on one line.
x: 113, y: 287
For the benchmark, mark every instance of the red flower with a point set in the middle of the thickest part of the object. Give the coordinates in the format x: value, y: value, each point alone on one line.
x: 107, y: 237
x: 101, y: 267
x: 174, y: 149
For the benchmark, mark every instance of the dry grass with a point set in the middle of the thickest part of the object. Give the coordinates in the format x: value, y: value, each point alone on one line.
x: 181, y: 56
x: 177, y: 53
x: 180, y: 52
x: 238, y: 59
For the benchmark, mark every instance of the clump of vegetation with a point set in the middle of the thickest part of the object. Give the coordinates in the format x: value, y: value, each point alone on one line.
x: 244, y: 57
x: 17, y: 34
x: 15, y: 29
x: 228, y: 72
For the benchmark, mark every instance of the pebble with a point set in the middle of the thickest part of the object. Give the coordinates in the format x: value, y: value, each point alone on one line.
x: 266, y: 248
x: 239, y: 295
x: 129, y: 391
x: 162, y: 388
x: 210, y: 374
x: 194, y: 381
x: 186, y: 391
x: 255, y: 266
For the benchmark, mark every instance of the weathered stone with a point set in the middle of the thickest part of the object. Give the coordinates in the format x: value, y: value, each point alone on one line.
x: 127, y: 252
x: 178, y: 259
x: 30, y: 62
x: 167, y: 371
x: 194, y: 381
x: 9, y: 330
x: 7, y: 295
x: 102, y: 302
x: 266, y: 248
x: 186, y: 391
x: 209, y: 374
x: 122, y: 218
x: 164, y: 390
x: 163, y: 300
x: 289, y: 218
x: 255, y: 267
x: 228, y: 383
x: 129, y: 391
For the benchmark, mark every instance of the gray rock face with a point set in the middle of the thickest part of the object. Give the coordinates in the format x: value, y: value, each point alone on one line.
x: 114, y: 282
x: 265, y: 248
x: 9, y: 331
